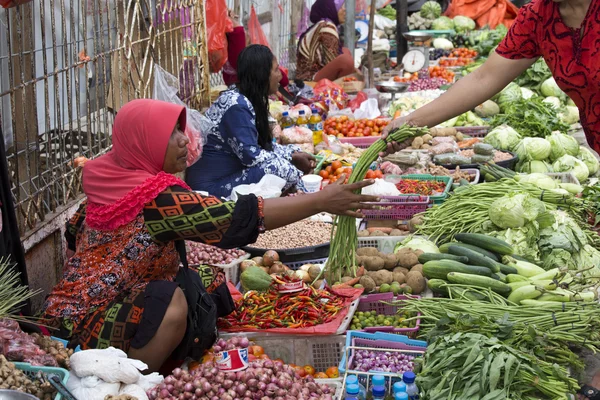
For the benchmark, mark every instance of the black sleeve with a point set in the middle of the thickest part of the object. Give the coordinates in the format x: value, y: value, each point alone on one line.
x: 73, y: 226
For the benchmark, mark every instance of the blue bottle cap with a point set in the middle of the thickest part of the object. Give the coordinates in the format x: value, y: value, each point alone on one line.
x: 408, y: 377
x: 315, y: 111
x: 351, y: 380
x: 378, y: 380
x: 285, y: 114
x: 399, y: 387
x: 301, y: 112
x: 352, y: 389
x: 378, y: 391
x: 401, y: 396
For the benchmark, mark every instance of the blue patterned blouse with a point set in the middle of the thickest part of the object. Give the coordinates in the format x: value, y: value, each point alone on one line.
x: 232, y: 155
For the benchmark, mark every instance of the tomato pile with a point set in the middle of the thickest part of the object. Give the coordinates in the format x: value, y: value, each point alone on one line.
x: 441, y: 72
x: 345, y: 127
x: 413, y: 77
x: 350, y: 79
x: 423, y: 188
x: 455, y: 62
x: 463, y: 53
x: 333, y: 172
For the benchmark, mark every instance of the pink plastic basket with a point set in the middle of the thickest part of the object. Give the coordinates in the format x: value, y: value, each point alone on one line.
x: 397, y: 207
x: 474, y: 131
x: 377, y: 302
x: 361, y: 142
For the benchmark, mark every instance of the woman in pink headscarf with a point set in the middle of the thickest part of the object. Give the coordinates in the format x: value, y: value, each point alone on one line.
x: 320, y: 52
x: 123, y: 285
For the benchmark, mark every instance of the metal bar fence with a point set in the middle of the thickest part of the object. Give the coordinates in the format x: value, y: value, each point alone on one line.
x: 66, y: 67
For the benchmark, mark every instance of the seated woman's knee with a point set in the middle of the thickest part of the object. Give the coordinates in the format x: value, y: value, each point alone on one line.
x: 178, y: 309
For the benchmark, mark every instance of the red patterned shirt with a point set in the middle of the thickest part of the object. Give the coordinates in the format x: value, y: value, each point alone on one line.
x: 573, y: 55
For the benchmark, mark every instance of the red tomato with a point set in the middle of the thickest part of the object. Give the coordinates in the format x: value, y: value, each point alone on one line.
x: 370, y: 174
x: 324, y: 174
x: 336, y: 165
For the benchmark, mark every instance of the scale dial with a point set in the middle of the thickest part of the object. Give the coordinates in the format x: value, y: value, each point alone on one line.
x: 414, y: 61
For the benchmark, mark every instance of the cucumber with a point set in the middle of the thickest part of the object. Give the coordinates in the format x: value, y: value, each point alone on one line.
x: 441, y: 268
x: 526, y: 292
x: 516, y: 278
x: 495, y: 276
x: 423, y: 258
x: 479, y: 281
x: 481, y: 251
x: 501, y: 276
x: 436, y: 286
x: 485, y: 242
x: 444, y: 248
x: 474, y: 257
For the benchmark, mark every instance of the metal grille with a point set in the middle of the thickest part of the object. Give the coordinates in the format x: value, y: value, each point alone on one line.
x: 66, y: 67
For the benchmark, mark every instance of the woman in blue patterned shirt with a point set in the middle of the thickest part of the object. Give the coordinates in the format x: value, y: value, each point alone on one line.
x: 240, y: 148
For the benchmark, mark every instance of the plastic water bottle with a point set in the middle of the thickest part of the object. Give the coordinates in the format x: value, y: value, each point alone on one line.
x: 353, y: 380
x: 302, y: 120
x: 399, y: 387
x: 352, y: 392
x: 315, y: 123
x: 401, y: 396
x: 411, y: 388
x: 286, y: 120
x: 378, y: 389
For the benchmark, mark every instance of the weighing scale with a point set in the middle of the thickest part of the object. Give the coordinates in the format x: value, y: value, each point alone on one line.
x: 417, y: 57
x: 392, y: 87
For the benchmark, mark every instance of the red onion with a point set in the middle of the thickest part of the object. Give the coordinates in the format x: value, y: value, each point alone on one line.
x: 177, y: 372
x: 244, y: 342
x: 215, y: 398
x: 280, y: 392
x: 227, y: 383
x: 164, y: 393
x: 262, y: 386
x: 188, y: 395
x: 268, y: 364
x: 220, y: 391
x: 241, y: 389
x: 169, y: 380
x: 170, y: 388
x: 198, y: 392
x: 178, y: 385
x: 188, y: 387
x: 226, y: 397
x: 247, y: 393
x: 265, y: 379
x: 271, y: 389
x: 206, y: 387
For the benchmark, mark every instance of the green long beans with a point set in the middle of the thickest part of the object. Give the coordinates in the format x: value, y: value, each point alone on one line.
x: 342, y: 256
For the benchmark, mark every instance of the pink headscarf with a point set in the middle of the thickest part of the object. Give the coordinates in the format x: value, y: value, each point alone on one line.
x: 120, y: 183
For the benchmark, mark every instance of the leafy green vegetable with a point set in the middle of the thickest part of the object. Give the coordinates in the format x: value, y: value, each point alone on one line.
x: 561, y: 144
x: 550, y: 88
x: 503, y: 138
x: 484, y: 41
x: 542, y: 181
x: 508, y: 95
x: 463, y: 24
x: 523, y: 240
x: 533, y: 76
x: 560, y: 241
x: 515, y: 210
x: 431, y: 10
x: 442, y: 24
x: 531, y: 118
x: 589, y: 159
x: 569, y: 115
x: 568, y: 163
x: 534, y: 166
x: 533, y: 149
x: 388, y: 12
x: 418, y: 243
x: 553, y: 101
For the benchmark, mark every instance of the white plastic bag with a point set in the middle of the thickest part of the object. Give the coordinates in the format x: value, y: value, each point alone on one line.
x: 110, y: 365
x: 381, y: 188
x: 166, y: 88
x: 368, y: 109
x: 270, y: 186
x: 134, y: 390
x: 91, y: 387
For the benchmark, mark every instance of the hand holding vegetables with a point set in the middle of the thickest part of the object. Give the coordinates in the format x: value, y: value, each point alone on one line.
x: 340, y: 199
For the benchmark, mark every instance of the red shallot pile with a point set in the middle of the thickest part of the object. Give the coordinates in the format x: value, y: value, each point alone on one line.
x: 17, y: 345
x: 200, y: 253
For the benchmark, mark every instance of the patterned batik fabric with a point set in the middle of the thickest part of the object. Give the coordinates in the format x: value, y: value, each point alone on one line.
x: 573, y: 55
x: 317, y: 48
x: 232, y: 155
x: 102, y: 295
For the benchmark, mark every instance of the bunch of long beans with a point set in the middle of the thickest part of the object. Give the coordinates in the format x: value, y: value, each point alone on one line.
x: 467, y: 210
x: 12, y: 294
x: 546, y: 331
x: 342, y: 256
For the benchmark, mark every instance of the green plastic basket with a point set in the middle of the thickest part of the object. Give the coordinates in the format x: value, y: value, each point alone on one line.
x: 424, y: 177
x: 320, y: 160
x: 32, y: 370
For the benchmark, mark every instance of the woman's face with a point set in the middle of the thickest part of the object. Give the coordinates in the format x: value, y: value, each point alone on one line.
x: 176, y: 156
x: 275, y: 77
x: 342, y: 15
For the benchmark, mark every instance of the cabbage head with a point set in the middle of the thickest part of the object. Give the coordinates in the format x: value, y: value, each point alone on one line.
x: 561, y: 144
x: 550, y: 88
x: 542, y: 181
x: 523, y: 240
x: 431, y: 10
x: 533, y: 149
x: 515, y: 210
x: 503, y: 137
x: 569, y: 163
x: 570, y: 115
x: 570, y: 102
x: 588, y: 257
x: 509, y: 95
x: 534, y: 166
x: 442, y: 24
x: 589, y: 159
x: 527, y: 93
x: 553, y: 101
x: 417, y: 243
x: 463, y: 24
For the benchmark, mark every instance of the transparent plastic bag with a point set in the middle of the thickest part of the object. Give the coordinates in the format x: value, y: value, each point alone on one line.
x: 166, y: 89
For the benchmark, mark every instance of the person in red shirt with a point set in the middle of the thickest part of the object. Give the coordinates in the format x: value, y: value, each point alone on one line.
x: 236, y: 42
x: 566, y: 33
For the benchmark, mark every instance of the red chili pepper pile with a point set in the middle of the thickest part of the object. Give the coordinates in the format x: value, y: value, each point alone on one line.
x: 271, y: 309
x: 424, y: 188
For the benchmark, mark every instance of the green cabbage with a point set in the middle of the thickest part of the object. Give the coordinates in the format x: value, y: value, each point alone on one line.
x: 431, y: 10
x: 564, y: 234
x: 442, y: 43
x: 503, y: 138
x: 417, y: 243
x: 487, y: 109
x: 523, y: 240
x: 542, y: 181
x: 550, y: 88
x: 533, y: 149
x: 570, y: 115
x: 509, y: 95
x: 589, y: 159
x: 515, y: 210
x: 569, y: 163
x: 588, y: 257
x: 553, y: 101
x: 534, y: 166
x: 558, y: 258
x: 442, y: 24
x: 570, y: 102
x: 561, y: 144
x: 463, y: 24
x: 527, y: 93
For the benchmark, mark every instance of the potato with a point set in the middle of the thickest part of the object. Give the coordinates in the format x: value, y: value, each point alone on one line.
x: 381, y: 277
x: 373, y: 263
x: 418, y: 267
x: 368, y: 283
x: 363, y: 233
x: 367, y: 251
x: 397, y: 232
x: 389, y: 261
x: 346, y: 279
x: 427, y: 138
x: 417, y: 142
x: 317, y: 284
x: 426, y: 146
x: 314, y: 271
x: 405, y: 271
x: 398, y: 277
x: 415, y: 280
x: 407, y: 259
x: 378, y: 233
x: 459, y: 136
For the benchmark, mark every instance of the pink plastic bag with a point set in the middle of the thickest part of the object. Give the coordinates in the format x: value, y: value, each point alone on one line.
x: 194, y: 146
x: 217, y: 25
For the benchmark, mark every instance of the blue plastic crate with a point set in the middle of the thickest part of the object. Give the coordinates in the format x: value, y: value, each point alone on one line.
x: 65, y: 343
x: 32, y: 370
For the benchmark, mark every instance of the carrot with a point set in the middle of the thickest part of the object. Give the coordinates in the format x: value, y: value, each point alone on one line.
x: 350, y: 284
x: 397, y: 114
x: 384, y: 230
x: 468, y: 143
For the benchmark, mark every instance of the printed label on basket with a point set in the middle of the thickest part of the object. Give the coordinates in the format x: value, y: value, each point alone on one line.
x: 233, y: 360
x: 290, y: 287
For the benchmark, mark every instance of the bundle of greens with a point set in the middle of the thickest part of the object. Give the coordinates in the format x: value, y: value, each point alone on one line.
x: 472, y: 366
x: 534, y: 76
x: 530, y: 117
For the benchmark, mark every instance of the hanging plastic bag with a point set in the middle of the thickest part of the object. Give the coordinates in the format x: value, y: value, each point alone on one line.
x: 217, y: 25
x: 197, y: 126
x: 257, y: 36
x: 355, y: 103
x: 12, y: 3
